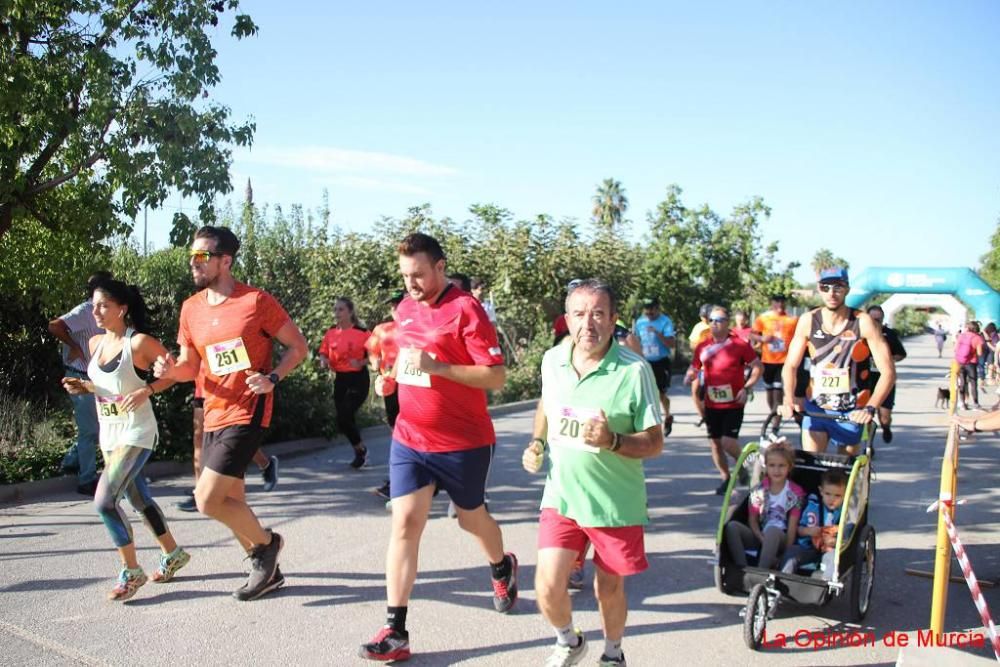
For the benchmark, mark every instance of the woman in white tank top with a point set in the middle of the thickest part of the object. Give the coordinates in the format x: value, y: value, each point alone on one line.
x: 128, y: 429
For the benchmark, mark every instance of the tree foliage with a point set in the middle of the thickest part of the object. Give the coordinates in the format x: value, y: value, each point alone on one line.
x: 990, y: 268
x: 105, y: 107
x: 825, y: 259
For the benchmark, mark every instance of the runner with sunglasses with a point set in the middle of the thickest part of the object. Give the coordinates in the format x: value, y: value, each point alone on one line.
x: 842, y: 343
x: 228, y: 330
x: 720, y: 366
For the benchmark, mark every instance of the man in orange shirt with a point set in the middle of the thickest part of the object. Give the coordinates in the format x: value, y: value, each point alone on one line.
x: 230, y: 327
x: 774, y: 331
x: 382, y: 353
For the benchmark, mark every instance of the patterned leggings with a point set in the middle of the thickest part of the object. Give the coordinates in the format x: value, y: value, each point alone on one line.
x: 121, y: 476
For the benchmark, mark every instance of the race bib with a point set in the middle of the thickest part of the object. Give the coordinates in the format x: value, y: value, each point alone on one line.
x: 568, y: 429
x: 409, y: 374
x: 650, y: 350
x: 227, y: 357
x: 721, y: 393
x: 110, y: 410
x: 833, y: 380
x: 776, y: 345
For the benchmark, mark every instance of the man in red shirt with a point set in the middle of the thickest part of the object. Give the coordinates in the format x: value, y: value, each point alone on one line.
x: 720, y: 393
x: 448, y: 358
x: 230, y: 328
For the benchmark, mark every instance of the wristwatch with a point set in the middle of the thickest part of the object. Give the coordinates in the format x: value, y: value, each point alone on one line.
x: 870, y: 409
x: 273, y: 377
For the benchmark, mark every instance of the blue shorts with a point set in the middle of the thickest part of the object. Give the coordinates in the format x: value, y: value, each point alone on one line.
x: 842, y: 433
x: 462, y: 474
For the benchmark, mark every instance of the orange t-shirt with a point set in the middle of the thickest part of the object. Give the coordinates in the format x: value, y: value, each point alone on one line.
x: 780, y: 326
x: 231, y: 338
x: 382, y: 344
x: 341, y: 346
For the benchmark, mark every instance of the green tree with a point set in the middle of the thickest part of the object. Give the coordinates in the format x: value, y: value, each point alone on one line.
x: 825, y: 259
x: 105, y: 107
x: 610, y: 204
x: 990, y: 269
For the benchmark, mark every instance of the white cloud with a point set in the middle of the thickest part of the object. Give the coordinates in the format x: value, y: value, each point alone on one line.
x: 367, y: 183
x: 339, y: 160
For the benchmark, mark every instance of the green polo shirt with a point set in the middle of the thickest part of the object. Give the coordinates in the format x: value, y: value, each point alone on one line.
x: 597, y: 488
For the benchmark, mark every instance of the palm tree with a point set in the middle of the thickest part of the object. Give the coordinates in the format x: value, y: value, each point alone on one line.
x: 824, y: 259
x: 610, y: 204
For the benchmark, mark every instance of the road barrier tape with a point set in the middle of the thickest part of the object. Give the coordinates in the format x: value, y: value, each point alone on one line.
x: 970, y: 576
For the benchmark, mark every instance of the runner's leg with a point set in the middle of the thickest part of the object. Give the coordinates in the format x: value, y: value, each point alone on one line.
x: 609, y: 589
x: 409, y: 516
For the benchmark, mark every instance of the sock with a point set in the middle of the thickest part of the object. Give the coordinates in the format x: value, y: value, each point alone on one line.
x: 612, y: 649
x: 502, y: 569
x: 395, y: 618
x: 173, y: 553
x: 567, y: 636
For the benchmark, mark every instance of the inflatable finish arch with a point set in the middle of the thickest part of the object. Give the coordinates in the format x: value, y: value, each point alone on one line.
x: 960, y: 282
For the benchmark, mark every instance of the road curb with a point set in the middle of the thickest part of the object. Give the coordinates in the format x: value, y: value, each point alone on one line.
x: 24, y: 492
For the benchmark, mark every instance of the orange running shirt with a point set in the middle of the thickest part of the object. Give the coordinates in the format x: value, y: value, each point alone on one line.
x: 781, y: 326
x: 382, y: 344
x: 341, y: 346
x: 231, y: 338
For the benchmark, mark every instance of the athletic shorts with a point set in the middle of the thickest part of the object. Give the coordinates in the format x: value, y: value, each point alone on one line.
x: 462, y: 474
x: 661, y: 371
x: 890, y: 400
x: 229, y: 450
x: 802, y: 381
x: 772, y: 376
x: 842, y: 433
x: 620, y: 551
x: 723, y: 423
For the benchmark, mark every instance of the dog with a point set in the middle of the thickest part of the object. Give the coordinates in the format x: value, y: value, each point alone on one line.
x: 943, y: 397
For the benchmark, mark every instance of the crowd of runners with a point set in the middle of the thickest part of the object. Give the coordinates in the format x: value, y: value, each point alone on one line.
x: 604, y: 408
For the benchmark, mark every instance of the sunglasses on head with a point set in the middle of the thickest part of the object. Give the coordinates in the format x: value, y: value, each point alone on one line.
x: 203, y: 256
x: 836, y: 288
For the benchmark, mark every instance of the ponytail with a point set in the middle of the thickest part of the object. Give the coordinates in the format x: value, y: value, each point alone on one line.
x: 137, y: 315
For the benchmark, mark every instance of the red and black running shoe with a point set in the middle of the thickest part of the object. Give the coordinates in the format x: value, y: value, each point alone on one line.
x: 388, y: 645
x: 505, y: 590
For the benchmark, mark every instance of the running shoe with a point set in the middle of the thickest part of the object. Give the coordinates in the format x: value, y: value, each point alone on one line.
x: 387, y: 646
x: 505, y: 590
x: 188, y: 504
x: 668, y: 425
x: 129, y: 582
x: 169, y: 564
x: 360, y: 458
x: 563, y: 655
x: 886, y: 434
x: 382, y: 491
x: 612, y: 662
x: 263, y: 570
x: 576, y: 579
x: 270, y: 474
x: 721, y: 489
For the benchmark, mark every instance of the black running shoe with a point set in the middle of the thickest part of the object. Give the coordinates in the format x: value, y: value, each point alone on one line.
x: 505, y: 590
x: 360, y: 458
x: 188, y: 504
x: 887, y: 434
x: 668, y: 425
x: 383, y: 491
x: 263, y: 570
x: 721, y: 489
x: 270, y: 474
x: 387, y: 646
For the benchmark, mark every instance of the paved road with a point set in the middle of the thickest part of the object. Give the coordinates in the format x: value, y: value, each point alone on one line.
x: 56, y: 564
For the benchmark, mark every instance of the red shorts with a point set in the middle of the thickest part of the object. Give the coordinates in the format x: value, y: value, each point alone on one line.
x: 620, y: 551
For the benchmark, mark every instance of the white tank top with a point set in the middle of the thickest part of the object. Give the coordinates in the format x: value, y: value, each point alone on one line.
x: 118, y: 427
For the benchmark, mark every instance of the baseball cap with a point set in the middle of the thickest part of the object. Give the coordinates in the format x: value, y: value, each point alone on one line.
x: 834, y: 274
x: 650, y: 302
x: 779, y: 297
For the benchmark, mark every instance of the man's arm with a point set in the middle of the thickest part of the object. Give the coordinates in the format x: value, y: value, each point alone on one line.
x: 789, y: 371
x: 533, y: 456
x: 296, y: 348
x: 59, y: 329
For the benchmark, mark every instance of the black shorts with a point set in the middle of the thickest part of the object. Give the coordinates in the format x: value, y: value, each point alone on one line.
x: 229, y: 450
x: 802, y: 381
x: 772, y: 376
x: 723, y: 423
x: 661, y: 371
x: 890, y: 400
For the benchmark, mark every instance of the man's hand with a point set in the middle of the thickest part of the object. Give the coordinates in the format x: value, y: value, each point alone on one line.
x: 787, y: 410
x: 860, y: 416
x: 741, y: 396
x: 534, y: 457
x: 259, y: 383
x: 164, y: 365
x: 420, y: 360
x: 385, y: 386
x: 596, y: 431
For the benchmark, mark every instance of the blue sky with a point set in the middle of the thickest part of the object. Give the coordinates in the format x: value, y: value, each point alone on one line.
x: 870, y: 129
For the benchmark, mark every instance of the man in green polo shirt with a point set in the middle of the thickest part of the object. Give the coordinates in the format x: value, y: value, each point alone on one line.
x: 598, y: 418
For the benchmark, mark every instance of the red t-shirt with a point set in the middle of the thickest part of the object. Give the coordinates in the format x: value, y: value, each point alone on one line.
x: 436, y: 414
x: 231, y: 338
x: 341, y: 346
x: 382, y: 344
x: 724, y: 365
x: 743, y: 334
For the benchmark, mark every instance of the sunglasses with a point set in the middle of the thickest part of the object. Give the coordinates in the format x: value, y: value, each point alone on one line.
x: 836, y: 288
x: 718, y: 319
x: 203, y: 256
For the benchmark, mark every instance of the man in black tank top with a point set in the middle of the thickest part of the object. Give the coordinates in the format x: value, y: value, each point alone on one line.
x: 842, y: 344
